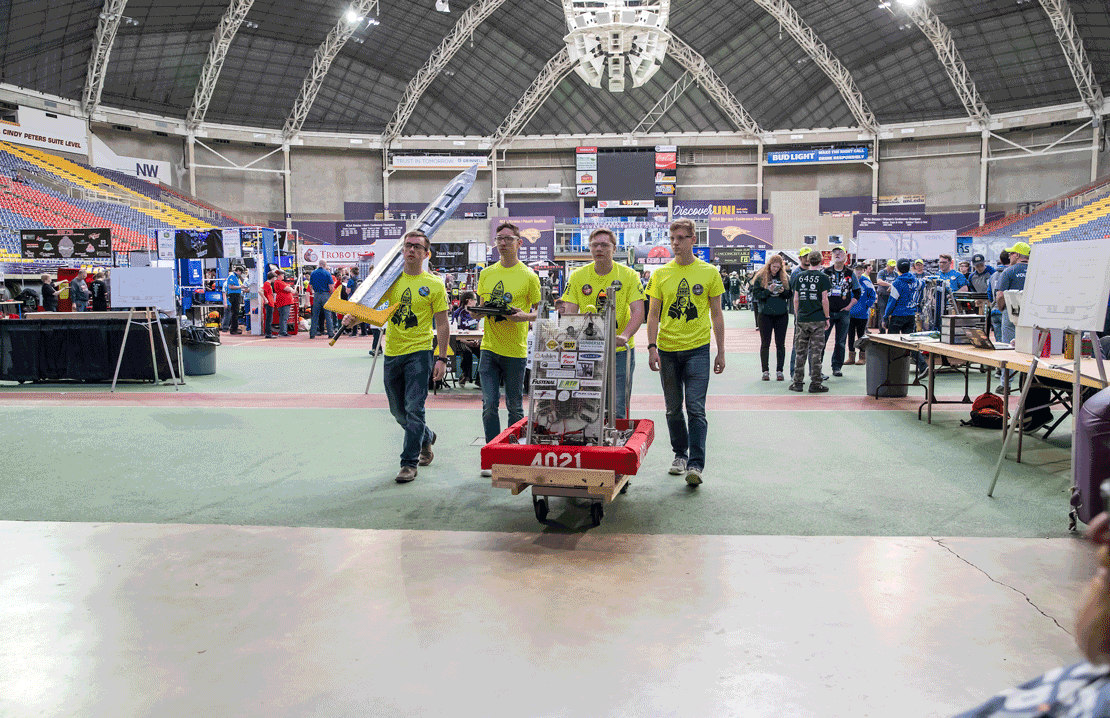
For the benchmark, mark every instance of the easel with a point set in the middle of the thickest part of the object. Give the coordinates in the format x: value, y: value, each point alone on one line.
x: 1077, y: 393
x: 150, y: 315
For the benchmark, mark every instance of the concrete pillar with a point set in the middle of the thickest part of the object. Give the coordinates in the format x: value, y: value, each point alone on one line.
x: 759, y: 179
x: 493, y: 180
x: 983, y: 165
x: 875, y: 179
x: 191, y: 144
x: 1096, y: 125
x: 288, y: 174
x: 385, y: 182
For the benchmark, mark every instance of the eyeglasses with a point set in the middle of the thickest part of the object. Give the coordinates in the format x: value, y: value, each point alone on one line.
x: 506, y: 237
x: 680, y: 236
x: 414, y: 245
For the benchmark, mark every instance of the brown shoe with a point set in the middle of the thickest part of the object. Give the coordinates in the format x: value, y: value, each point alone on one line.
x: 406, y: 474
x: 426, y: 454
x: 862, y: 358
x: 851, y: 358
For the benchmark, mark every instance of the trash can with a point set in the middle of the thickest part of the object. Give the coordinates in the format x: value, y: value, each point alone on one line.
x: 881, y: 369
x: 198, y: 350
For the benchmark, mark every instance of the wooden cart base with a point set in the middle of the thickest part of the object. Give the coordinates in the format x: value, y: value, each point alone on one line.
x: 598, y: 485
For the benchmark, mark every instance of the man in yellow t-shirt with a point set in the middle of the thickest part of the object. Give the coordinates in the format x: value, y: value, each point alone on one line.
x: 505, y: 339
x: 584, y: 288
x: 685, y: 297
x: 421, y: 302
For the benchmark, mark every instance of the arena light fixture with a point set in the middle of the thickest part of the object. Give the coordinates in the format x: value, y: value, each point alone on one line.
x: 353, y: 16
x: 605, y: 37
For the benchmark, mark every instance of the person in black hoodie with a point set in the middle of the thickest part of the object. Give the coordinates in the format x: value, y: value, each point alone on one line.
x: 771, y: 292
x: 844, y: 294
x: 99, y: 291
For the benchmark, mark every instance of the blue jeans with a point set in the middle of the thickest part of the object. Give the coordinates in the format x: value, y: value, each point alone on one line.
x: 996, y: 322
x: 838, y: 322
x: 283, y: 320
x: 406, y: 386
x: 80, y: 305
x: 492, y: 369
x: 623, y: 377
x: 318, y: 315
x: 685, y: 376
x: 1009, y: 332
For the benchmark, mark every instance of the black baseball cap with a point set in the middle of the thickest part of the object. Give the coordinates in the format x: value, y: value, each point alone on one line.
x: 904, y: 265
x: 978, y: 259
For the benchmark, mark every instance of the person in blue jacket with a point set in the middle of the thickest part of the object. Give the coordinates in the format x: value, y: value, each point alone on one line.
x: 861, y: 310
x: 906, y: 294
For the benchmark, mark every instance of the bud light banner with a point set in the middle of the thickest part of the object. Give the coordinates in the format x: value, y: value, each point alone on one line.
x: 750, y: 230
x: 537, y: 238
x: 831, y: 154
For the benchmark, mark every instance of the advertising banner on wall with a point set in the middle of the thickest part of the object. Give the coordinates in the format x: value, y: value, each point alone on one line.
x: 440, y: 161
x: 140, y: 167
x: 585, y: 166
x: 704, y: 208
x: 66, y: 243
x: 830, y: 154
x: 448, y: 256
x: 754, y: 230
x: 334, y: 254
x: 198, y: 243
x: 233, y: 243
x: 368, y: 231
x: 666, y: 170
x: 45, y: 130
x: 537, y: 238
x: 165, y: 241
x: 585, y: 160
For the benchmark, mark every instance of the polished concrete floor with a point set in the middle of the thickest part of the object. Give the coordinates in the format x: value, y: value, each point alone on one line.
x: 235, y: 600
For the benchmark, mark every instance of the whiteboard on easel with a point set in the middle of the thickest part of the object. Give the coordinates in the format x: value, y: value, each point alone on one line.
x: 1066, y: 286
x: 143, y: 287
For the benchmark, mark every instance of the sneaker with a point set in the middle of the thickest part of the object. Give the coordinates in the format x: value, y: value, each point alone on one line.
x: 836, y: 372
x: 426, y: 454
x: 795, y: 386
x: 487, y: 473
x: 1036, y: 421
x: 406, y: 474
x: 766, y: 376
x: 817, y: 389
x: 693, y: 476
x: 678, y: 466
x: 824, y: 377
x: 778, y: 376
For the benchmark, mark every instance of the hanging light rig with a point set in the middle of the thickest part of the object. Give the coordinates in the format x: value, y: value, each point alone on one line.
x: 607, y: 36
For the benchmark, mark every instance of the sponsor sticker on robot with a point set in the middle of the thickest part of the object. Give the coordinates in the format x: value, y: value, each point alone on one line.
x: 589, y: 356
x: 550, y: 365
x: 592, y: 345
x: 564, y: 395
x: 552, y: 344
x: 587, y: 395
x: 568, y: 358
x: 585, y: 369
x: 543, y: 383
x: 560, y: 374
x: 590, y: 383
x: 545, y: 394
x: 570, y: 345
x: 568, y: 383
x: 546, y: 356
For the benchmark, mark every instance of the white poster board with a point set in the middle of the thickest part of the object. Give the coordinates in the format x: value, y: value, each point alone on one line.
x: 233, y: 243
x: 905, y: 245
x: 1067, y: 286
x: 165, y: 239
x: 144, y: 287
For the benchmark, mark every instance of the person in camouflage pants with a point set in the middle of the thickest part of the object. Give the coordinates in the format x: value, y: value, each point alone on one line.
x: 811, y: 307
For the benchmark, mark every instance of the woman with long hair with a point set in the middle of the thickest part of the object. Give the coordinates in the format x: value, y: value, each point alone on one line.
x: 771, y: 289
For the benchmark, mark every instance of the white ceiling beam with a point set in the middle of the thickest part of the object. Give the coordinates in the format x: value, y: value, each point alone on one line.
x: 940, y: 37
x: 1063, y: 22
x: 557, y: 68
x: 105, y: 36
x: 790, y: 21
x: 708, y: 80
x: 464, y: 29
x: 669, y: 98
x: 321, y: 63
x: 221, y: 41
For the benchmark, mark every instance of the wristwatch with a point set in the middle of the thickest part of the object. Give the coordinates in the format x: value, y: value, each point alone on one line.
x: 442, y: 359
x: 653, y: 346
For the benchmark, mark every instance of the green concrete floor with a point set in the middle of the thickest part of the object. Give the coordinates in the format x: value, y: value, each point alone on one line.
x: 769, y: 471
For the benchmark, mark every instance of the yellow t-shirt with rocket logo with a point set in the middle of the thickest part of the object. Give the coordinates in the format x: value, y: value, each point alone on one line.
x: 520, y: 287
x: 584, y: 285
x: 418, y: 299
x: 683, y: 293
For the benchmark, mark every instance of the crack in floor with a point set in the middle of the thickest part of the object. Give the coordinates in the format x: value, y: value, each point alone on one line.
x: 940, y: 542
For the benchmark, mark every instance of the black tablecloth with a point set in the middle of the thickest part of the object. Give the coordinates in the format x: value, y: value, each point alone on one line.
x: 84, y: 350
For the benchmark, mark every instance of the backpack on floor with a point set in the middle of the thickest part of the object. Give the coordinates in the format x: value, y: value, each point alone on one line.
x: 986, y: 412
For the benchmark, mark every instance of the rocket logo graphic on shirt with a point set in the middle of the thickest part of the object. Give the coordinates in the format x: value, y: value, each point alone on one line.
x: 404, y: 316
x: 498, y: 295
x: 683, y: 307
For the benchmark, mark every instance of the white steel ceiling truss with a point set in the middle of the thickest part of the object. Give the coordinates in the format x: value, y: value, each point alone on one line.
x: 217, y: 51
x: 557, y: 68
x: 669, y: 98
x: 712, y: 84
x: 790, y: 21
x: 321, y: 63
x: 1063, y: 22
x: 464, y: 29
x: 940, y: 37
x: 105, y: 36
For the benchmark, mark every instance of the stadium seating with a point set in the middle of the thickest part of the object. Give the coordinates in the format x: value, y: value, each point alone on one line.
x: 1089, y: 221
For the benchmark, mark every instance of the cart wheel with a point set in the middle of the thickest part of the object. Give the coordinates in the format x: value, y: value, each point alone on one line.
x: 540, y: 505
x: 624, y: 489
x: 597, y: 512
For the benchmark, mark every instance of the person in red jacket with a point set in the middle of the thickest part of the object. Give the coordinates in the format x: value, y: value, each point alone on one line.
x: 283, y: 300
x: 268, y: 305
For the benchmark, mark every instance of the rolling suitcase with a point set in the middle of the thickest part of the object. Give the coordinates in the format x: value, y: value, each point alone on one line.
x: 1092, y: 455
